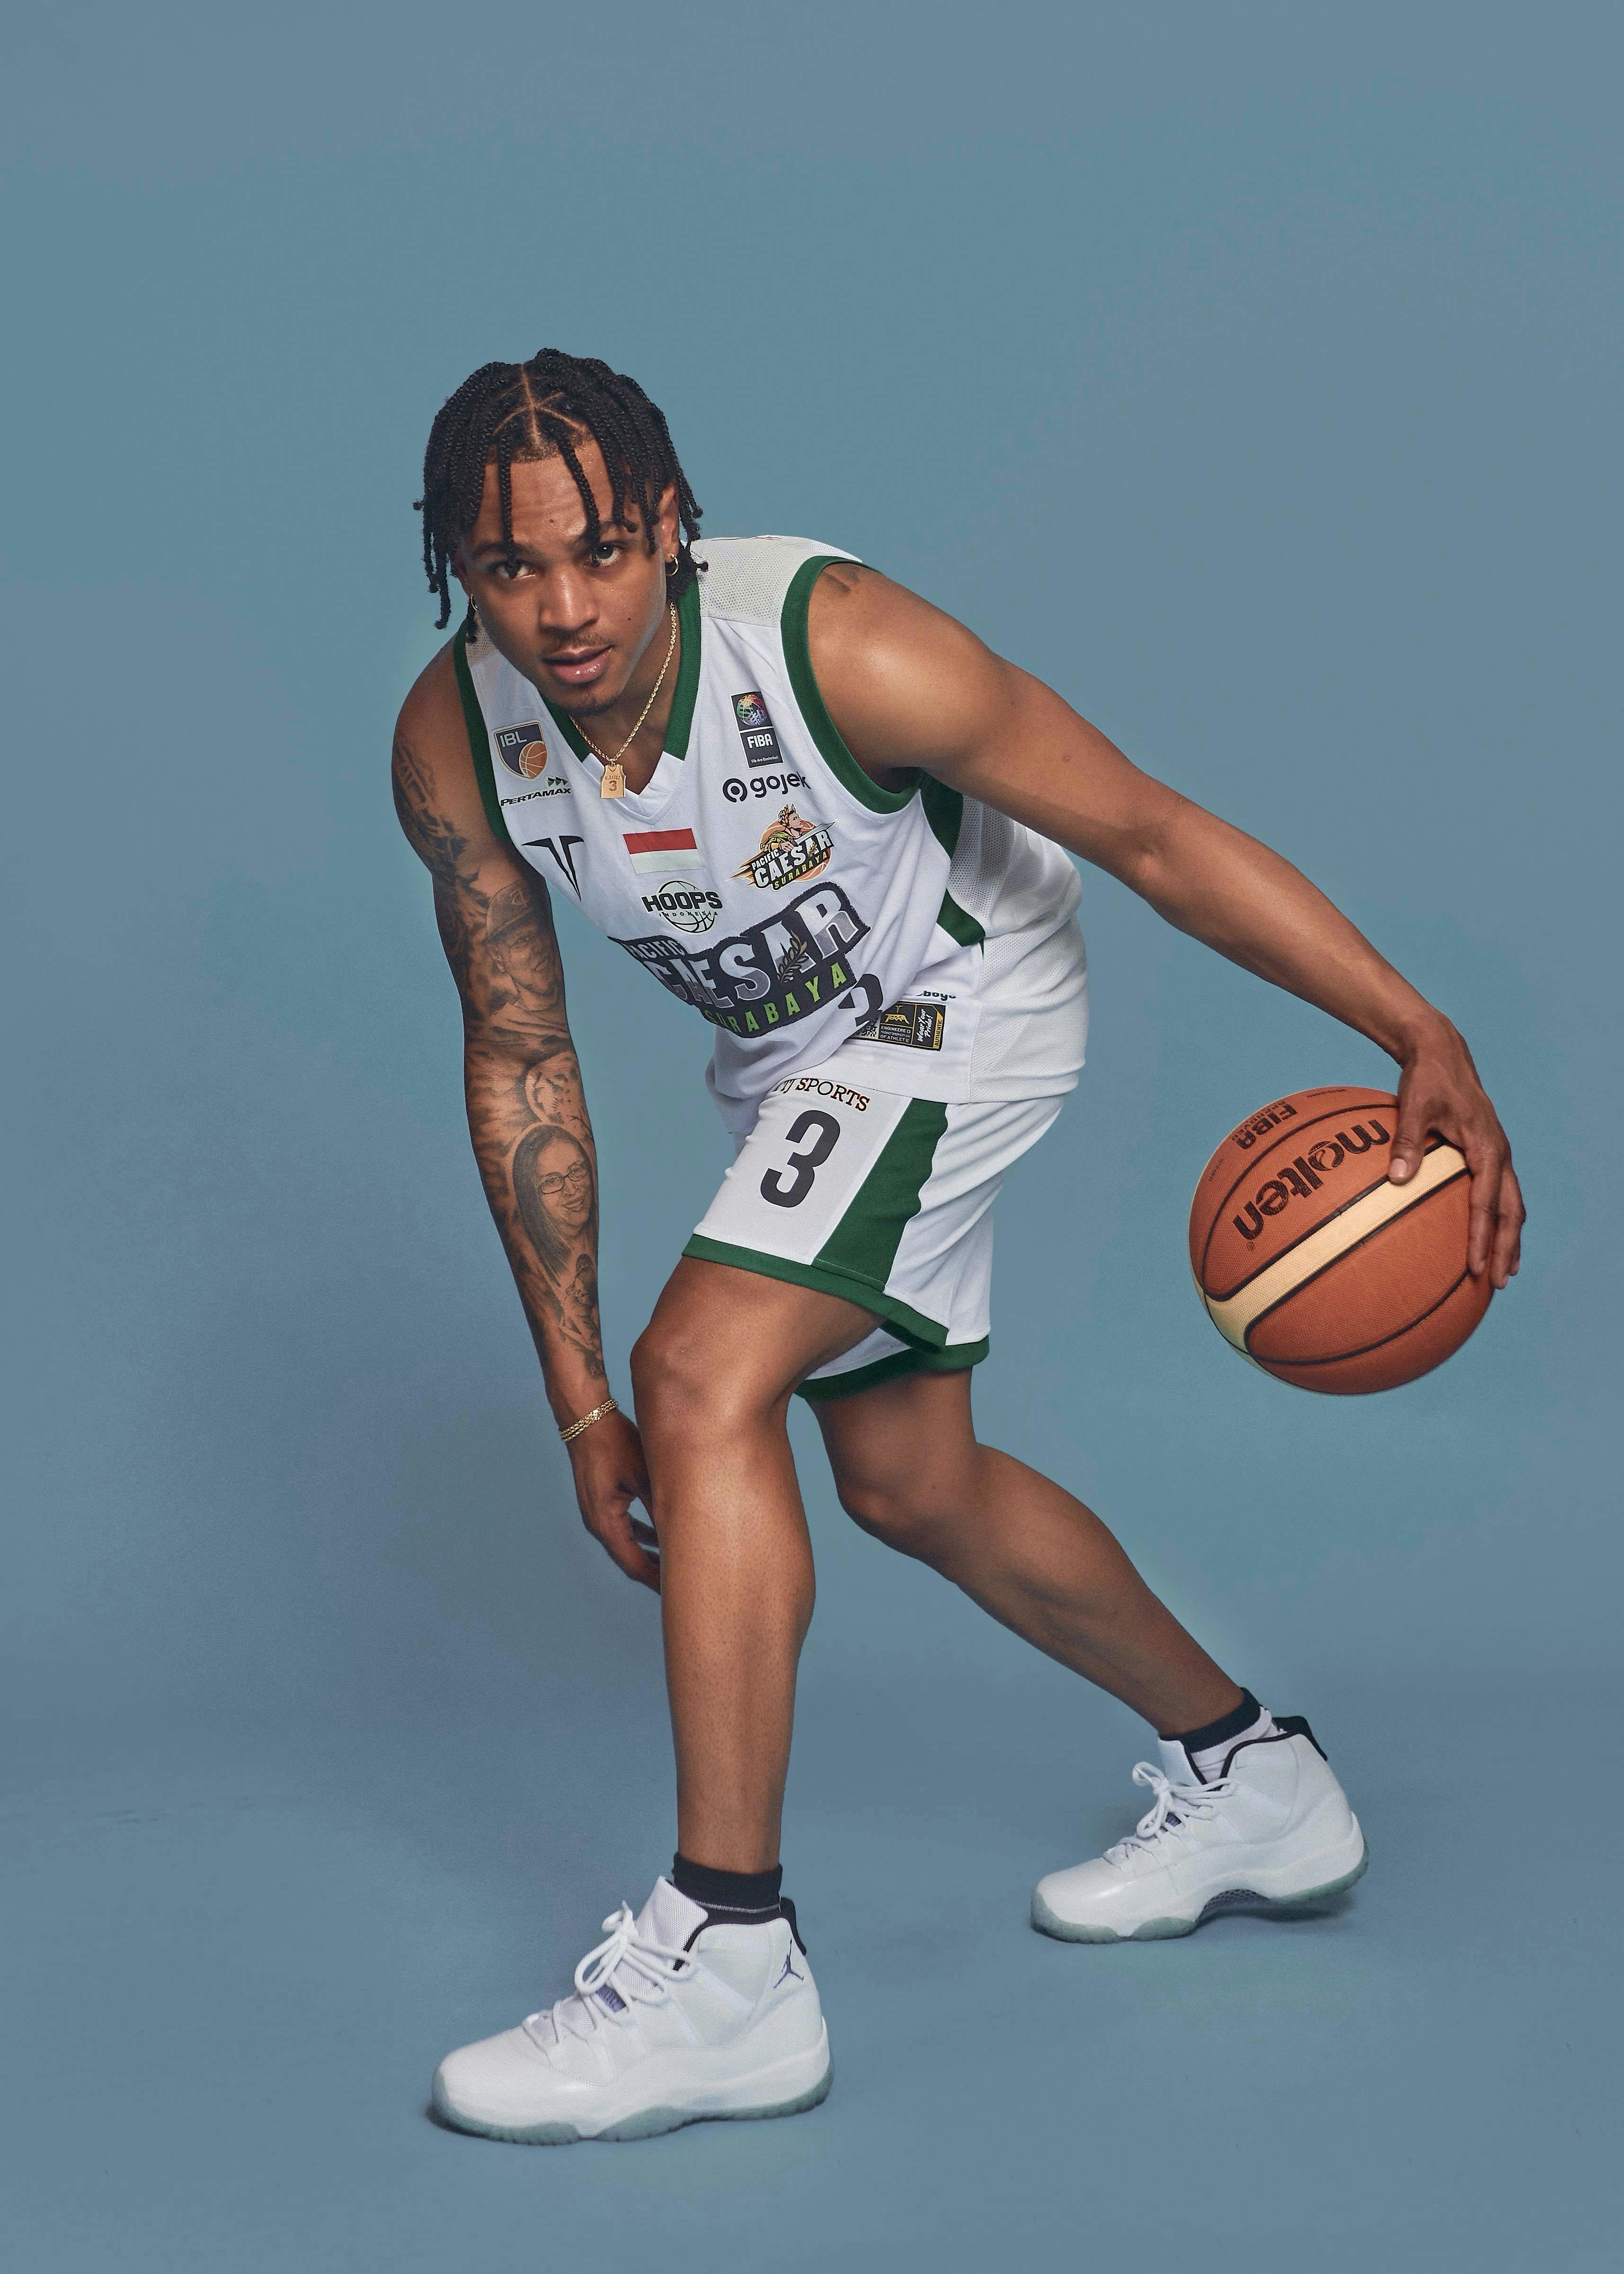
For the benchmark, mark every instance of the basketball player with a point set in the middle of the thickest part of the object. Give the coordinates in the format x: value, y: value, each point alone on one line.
x: 822, y: 813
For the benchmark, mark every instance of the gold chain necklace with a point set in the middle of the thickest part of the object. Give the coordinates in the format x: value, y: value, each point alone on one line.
x: 613, y: 783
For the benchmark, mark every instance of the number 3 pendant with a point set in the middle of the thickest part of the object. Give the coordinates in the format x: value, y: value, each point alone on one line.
x: 613, y: 783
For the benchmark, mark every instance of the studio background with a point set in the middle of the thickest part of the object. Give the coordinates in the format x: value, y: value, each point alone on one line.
x: 1251, y: 376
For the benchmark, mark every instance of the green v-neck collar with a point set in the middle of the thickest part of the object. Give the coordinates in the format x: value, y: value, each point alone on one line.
x: 680, y: 724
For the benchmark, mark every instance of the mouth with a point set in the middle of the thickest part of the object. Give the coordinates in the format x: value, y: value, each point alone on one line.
x: 578, y: 667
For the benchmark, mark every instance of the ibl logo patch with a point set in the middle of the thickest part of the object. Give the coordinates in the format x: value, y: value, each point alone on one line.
x: 521, y: 750
x: 760, y: 744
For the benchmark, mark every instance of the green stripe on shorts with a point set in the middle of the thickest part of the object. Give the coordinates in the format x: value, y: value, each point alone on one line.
x: 863, y: 1245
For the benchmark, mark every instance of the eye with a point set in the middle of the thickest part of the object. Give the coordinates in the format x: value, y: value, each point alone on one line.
x: 606, y: 550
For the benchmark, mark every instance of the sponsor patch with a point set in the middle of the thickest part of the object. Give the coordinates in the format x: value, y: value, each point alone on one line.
x: 736, y: 789
x: 521, y: 749
x: 690, y: 907
x: 791, y: 849
x: 793, y: 962
x: 652, y: 850
x: 909, y: 1026
x: 760, y: 744
x: 554, y: 786
x: 836, y: 1091
x: 563, y: 851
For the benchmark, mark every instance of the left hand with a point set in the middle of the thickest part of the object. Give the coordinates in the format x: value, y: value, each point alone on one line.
x: 1440, y: 1090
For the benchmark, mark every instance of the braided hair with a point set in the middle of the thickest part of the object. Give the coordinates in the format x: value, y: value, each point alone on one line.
x: 543, y: 409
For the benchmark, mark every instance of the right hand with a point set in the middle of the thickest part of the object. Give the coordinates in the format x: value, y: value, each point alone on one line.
x: 610, y: 1474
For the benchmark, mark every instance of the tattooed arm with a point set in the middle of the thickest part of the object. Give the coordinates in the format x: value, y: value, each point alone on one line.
x: 526, y: 1109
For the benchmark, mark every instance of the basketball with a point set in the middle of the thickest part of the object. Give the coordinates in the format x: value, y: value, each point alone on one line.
x: 1316, y: 1268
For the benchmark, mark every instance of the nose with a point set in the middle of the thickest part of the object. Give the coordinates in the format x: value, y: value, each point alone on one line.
x: 568, y: 608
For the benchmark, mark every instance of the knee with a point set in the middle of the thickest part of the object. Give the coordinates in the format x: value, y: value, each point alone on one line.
x: 900, y: 1508
x: 680, y: 1383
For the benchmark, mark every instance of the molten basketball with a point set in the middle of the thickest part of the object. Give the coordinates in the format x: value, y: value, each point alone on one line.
x: 1315, y: 1266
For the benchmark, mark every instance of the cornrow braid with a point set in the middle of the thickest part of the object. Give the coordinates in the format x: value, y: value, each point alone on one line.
x: 541, y: 410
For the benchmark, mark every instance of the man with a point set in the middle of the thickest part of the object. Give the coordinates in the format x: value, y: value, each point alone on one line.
x: 823, y: 814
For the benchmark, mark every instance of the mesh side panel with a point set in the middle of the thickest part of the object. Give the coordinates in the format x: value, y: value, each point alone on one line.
x: 748, y: 576
x: 982, y: 859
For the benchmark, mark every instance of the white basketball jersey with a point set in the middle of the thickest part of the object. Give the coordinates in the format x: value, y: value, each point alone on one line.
x: 763, y: 877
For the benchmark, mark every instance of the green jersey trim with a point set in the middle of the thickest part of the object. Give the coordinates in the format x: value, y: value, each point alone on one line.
x: 944, y: 811
x: 823, y: 729
x: 680, y: 724
x: 953, y: 1358
x: 957, y: 924
x: 478, y: 737
x: 900, y: 1317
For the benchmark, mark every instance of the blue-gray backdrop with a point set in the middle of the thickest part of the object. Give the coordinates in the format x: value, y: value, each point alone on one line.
x: 1250, y: 374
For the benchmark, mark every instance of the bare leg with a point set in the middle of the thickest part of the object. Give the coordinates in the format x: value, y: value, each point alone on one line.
x: 908, y: 1469
x: 713, y: 1372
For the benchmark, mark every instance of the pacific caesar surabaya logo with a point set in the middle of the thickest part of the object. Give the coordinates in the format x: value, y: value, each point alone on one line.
x: 791, y: 850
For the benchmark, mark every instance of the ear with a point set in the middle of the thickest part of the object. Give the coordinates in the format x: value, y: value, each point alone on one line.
x: 670, y: 522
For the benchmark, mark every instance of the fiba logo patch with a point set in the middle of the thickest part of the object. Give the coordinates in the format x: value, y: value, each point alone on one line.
x: 760, y: 744
x: 521, y: 750
x: 690, y: 907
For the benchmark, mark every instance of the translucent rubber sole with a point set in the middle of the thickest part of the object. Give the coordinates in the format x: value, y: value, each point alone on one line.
x: 1230, y: 1899
x: 643, y: 2124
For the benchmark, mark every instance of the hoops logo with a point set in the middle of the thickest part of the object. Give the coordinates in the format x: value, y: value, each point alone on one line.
x: 690, y: 907
x: 760, y: 744
x: 521, y: 750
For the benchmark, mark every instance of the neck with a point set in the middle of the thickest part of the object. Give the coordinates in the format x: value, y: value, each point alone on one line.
x: 607, y: 730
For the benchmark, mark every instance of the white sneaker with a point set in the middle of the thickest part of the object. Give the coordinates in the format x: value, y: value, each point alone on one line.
x: 1273, y: 1832
x: 682, y: 2014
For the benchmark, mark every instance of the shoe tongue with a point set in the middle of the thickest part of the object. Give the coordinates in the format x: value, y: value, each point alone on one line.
x: 1176, y: 1764
x: 670, y: 1916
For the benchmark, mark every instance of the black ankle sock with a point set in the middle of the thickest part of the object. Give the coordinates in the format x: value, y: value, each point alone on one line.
x: 1216, y: 1733
x: 727, y: 1891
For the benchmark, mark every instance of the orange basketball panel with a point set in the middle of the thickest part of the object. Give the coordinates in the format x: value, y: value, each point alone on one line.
x: 1415, y: 1352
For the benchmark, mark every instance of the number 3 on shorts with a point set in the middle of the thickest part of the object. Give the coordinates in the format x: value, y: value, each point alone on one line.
x: 824, y: 1132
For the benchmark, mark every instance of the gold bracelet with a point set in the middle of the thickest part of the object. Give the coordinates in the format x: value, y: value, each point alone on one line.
x: 587, y: 1420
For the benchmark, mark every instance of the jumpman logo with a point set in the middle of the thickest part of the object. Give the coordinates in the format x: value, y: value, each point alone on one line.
x: 789, y: 1973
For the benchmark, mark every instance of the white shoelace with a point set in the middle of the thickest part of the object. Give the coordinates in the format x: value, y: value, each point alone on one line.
x: 629, y: 1967
x: 1172, y: 1805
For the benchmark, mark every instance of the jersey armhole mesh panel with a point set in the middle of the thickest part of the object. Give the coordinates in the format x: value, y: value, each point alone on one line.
x: 748, y: 576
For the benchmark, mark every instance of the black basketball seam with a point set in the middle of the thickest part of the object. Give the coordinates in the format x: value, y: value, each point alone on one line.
x: 1433, y: 1144
x: 1342, y: 1255
x: 1364, y: 1349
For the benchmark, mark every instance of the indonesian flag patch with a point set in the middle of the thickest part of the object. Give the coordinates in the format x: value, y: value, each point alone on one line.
x: 663, y: 851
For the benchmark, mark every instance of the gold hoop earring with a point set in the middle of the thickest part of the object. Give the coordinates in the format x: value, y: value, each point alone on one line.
x: 672, y: 566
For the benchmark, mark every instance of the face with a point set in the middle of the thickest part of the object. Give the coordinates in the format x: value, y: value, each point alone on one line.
x: 564, y: 1179
x: 523, y: 956
x: 575, y: 618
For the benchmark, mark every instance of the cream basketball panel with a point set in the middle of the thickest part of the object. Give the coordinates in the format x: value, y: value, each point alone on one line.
x: 1236, y: 1315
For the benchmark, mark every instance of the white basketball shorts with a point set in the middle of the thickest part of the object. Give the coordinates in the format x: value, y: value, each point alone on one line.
x: 884, y: 1200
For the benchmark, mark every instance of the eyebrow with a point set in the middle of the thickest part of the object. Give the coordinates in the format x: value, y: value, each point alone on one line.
x: 498, y: 547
